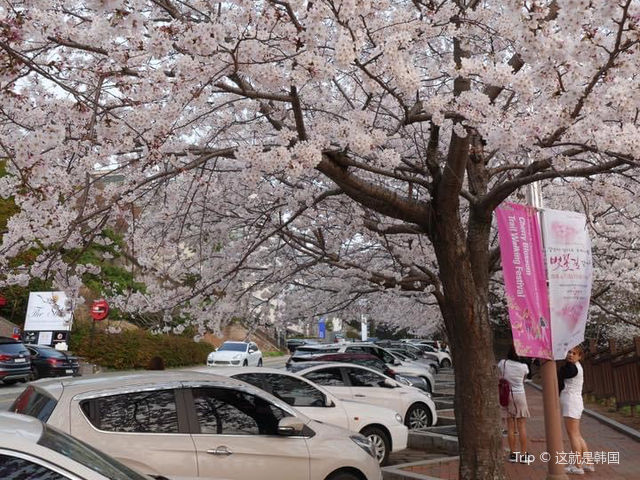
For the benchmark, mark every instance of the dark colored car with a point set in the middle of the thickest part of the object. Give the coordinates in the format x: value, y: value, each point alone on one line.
x: 15, y: 362
x: 294, y: 343
x: 49, y: 362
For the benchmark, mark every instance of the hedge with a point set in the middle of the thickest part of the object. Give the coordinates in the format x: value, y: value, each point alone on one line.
x: 132, y: 349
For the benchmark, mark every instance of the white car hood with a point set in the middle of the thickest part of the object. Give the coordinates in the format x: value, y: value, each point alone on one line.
x: 227, y: 355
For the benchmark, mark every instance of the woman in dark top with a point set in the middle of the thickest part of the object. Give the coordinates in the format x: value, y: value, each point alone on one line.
x: 570, y: 380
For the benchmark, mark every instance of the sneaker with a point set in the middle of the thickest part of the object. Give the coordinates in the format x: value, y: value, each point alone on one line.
x: 588, y: 467
x: 513, y: 458
x: 574, y: 470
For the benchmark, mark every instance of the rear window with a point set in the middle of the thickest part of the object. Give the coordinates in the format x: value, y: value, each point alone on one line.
x: 13, y: 348
x: 86, y: 455
x: 34, y: 403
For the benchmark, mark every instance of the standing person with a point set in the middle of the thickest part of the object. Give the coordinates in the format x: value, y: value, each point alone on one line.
x: 517, y: 412
x: 570, y: 380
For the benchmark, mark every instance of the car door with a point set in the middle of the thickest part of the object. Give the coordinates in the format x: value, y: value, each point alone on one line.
x: 145, y: 429
x: 369, y: 387
x: 235, y: 433
x: 300, y: 394
x: 254, y: 354
x: 332, y: 379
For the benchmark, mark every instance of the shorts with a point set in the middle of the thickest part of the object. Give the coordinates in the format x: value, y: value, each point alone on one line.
x: 571, y: 405
x: 517, y: 407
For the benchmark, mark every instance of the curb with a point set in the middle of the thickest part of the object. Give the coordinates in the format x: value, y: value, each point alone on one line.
x: 619, y: 427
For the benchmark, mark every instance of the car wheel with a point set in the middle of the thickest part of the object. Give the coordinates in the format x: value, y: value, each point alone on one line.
x: 34, y: 375
x: 445, y: 363
x: 380, y: 442
x: 343, y: 476
x: 418, y: 416
x: 245, y: 363
x: 260, y: 362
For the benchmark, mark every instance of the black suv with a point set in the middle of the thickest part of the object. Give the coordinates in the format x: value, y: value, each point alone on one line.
x: 15, y: 361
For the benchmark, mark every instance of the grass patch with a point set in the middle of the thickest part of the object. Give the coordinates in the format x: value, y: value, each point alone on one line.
x: 273, y: 353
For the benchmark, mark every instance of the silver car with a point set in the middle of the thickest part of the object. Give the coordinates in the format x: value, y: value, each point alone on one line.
x: 198, y: 424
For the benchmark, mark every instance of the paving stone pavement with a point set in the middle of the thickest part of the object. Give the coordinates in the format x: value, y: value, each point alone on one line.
x: 599, y: 438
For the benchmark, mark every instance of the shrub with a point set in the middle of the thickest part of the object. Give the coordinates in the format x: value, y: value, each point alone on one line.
x: 131, y: 349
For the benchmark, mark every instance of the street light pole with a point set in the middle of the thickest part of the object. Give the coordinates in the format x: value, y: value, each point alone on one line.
x: 550, y: 394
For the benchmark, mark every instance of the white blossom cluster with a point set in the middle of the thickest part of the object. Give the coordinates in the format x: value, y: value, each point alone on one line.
x: 254, y: 154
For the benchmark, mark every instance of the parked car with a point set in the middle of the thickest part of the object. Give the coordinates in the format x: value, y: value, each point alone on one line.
x: 371, y: 361
x: 294, y: 343
x: 177, y: 422
x: 366, y: 385
x: 236, y: 354
x: 15, y: 362
x: 416, y: 352
x: 29, y: 449
x: 382, y: 426
x: 443, y: 356
x: 405, y: 368
x: 49, y: 362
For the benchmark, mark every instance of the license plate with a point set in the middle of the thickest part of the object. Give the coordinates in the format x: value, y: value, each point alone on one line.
x: 20, y: 360
x: 69, y: 372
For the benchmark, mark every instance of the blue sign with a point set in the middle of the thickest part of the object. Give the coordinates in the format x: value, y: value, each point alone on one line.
x: 322, y: 328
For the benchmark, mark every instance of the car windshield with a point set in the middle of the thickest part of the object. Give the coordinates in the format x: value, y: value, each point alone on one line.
x: 233, y: 347
x: 86, y: 455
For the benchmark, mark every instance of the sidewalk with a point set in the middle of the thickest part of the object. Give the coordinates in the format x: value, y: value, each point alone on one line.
x: 599, y: 438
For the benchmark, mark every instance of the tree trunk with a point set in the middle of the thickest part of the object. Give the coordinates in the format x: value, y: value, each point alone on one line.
x: 466, y: 316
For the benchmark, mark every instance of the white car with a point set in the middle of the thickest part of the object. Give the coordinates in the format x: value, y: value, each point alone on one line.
x: 363, y: 384
x: 444, y: 357
x: 382, y: 426
x: 191, y: 424
x: 31, y: 449
x: 236, y: 354
x: 408, y: 368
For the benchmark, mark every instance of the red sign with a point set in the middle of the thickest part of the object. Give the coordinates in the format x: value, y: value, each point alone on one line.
x: 99, y: 310
x: 3, y: 301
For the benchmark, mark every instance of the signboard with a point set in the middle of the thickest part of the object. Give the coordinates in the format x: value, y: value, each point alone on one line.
x: 44, y: 338
x: 48, y: 311
x: 524, y: 279
x: 570, y: 270
x: 322, y: 328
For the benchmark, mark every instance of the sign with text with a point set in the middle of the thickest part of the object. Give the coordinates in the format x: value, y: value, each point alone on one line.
x: 570, y: 269
x: 524, y: 279
x: 48, y: 311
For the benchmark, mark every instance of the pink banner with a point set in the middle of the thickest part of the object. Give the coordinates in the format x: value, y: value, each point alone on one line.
x: 524, y: 279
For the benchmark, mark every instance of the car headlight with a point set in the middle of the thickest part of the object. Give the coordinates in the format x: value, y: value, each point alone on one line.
x: 211, y: 356
x: 364, y: 443
x: 399, y: 418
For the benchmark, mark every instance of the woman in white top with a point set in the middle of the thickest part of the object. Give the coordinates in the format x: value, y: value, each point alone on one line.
x: 517, y: 412
x: 570, y: 380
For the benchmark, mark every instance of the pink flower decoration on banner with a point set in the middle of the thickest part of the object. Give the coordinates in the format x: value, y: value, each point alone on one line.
x: 572, y: 313
x: 563, y: 232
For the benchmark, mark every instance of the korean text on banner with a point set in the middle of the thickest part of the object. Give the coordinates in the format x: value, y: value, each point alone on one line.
x: 524, y: 279
x: 569, y: 266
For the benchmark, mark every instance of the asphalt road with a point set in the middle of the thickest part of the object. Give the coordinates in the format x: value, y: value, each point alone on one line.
x: 8, y: 393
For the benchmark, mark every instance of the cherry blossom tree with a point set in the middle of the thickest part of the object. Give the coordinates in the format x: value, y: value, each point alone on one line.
x: 351, y: 149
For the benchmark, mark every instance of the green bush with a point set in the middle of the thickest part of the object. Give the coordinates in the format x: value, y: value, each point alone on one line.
x: 131, y: 349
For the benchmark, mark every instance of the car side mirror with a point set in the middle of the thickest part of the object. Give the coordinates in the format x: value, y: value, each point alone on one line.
x: 328, y: 402
x: 397, y: 362
x: 289, y: 426
x: 388, y: 383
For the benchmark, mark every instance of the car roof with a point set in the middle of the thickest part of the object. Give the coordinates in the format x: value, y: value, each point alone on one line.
x: 236, y: 341
x: 15, y: 424
x: 352, y: 355
x: 111, y: 382
x: 9, y: 340
x: 319, y: 365
x: 231, y: 371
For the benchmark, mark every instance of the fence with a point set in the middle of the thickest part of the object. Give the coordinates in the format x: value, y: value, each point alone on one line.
x: 614, y: 373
